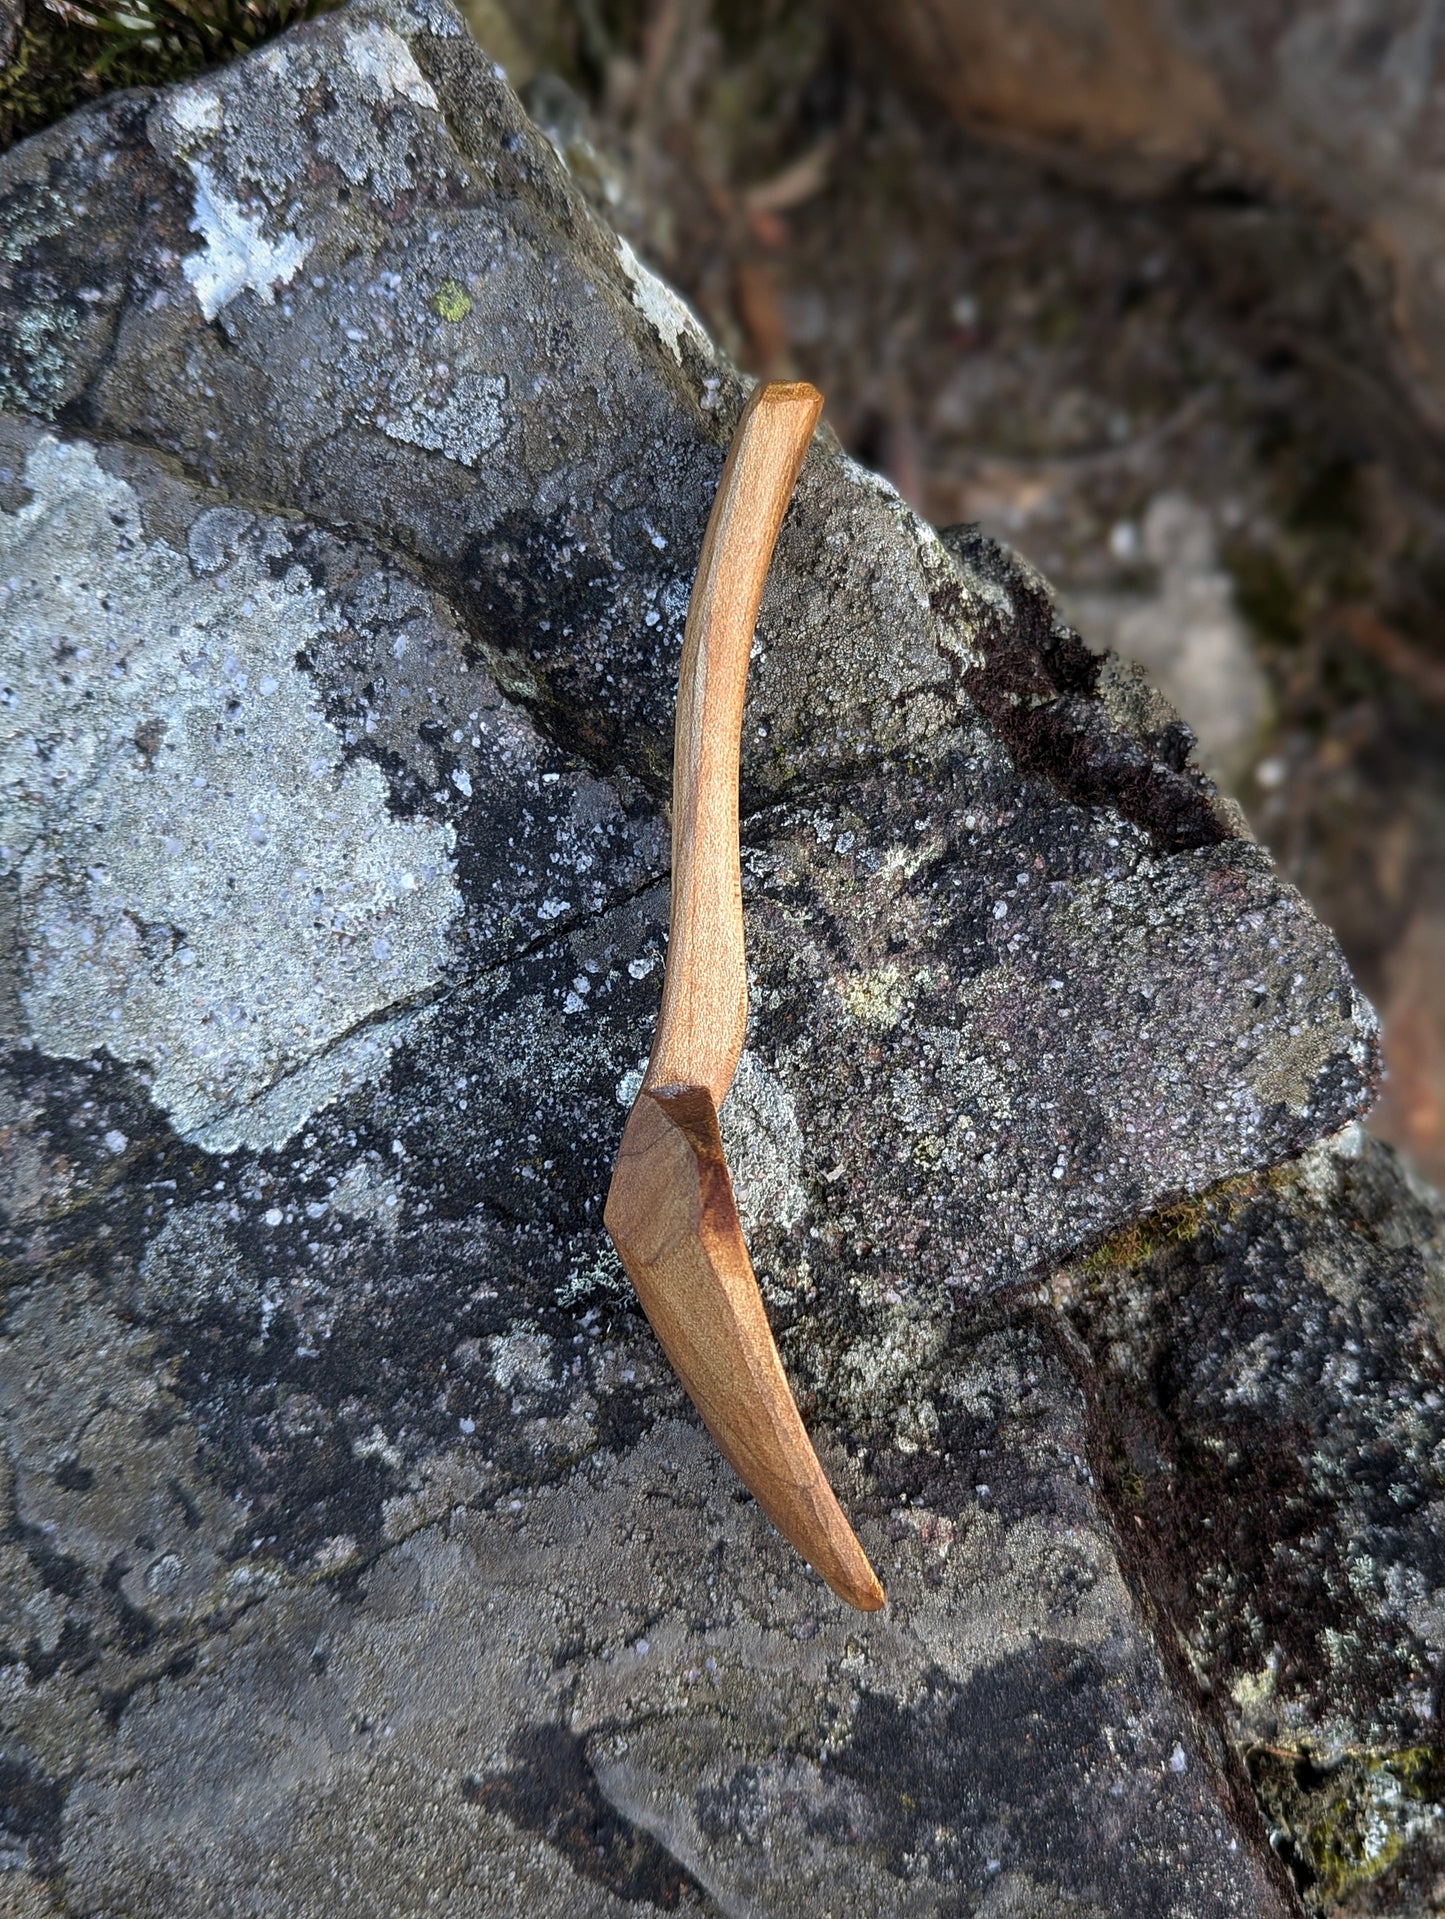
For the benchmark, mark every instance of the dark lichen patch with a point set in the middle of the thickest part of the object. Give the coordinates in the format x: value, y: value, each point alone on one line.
x: 90, y: 1170
x: 581, y: 620
x: 67, y: 259
x: 31, y: 1805
x: 1271, y: 1401
x: 550, y: 1789
x: 1008, y: 1418
x: 86, y: 1546
x: 430, y: 1262
x: 538, y: 838
x: 1359, y: 1832
x: 315, y: 1431
x: 1038, y: 685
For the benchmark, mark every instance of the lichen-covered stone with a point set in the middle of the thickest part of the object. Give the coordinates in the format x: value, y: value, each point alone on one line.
x: 210, y: 874
x: 361, y: 1544
x: 1271, y: 1381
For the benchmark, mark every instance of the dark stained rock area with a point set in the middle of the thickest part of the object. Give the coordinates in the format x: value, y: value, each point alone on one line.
x: 1270, y: 1387
x: 360, y: 1550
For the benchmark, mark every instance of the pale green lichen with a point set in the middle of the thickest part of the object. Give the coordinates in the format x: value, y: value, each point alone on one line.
x: 1348, y: 1823
x: 43, y: 339
x: 521, y: 1360
x: 451, y: 301
x: 36, y: 372
x: 877, y: 999
x: 191, y: 1267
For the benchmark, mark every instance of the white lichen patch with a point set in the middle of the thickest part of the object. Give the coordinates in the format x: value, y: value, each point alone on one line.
x: 195, y: 109
x: 237, y: 254
x: 433, y: 17
x: 630, y: 1084
x: 1416, y: 1598
x: 364, y: 1192
x: 253, y: 134
x: 665, y: 311
x: 883, y: 1372
x: 376, y: 1445
x: 383, y: 59
x: 207, y: 890
x: 521, y: 1360
x: 43, y: 340
x: 1254, y: 1694
x: 764, y: 1146
x: 454, y: 412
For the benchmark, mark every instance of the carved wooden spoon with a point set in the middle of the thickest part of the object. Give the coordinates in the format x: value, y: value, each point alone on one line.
x: 670, y: 1210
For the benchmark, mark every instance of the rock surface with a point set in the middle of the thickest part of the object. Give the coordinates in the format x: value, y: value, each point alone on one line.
x: 1267, y: 1368
x: 360, y: 1541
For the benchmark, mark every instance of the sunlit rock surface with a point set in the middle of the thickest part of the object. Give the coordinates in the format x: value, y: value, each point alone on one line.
x: 361, y: 1545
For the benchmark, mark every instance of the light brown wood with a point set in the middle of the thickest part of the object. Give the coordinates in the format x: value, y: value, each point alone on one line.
x: 670, y: 1210
x: 705, y: 989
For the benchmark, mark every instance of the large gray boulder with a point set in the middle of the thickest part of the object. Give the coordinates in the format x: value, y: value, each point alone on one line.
x: 362, y: 1548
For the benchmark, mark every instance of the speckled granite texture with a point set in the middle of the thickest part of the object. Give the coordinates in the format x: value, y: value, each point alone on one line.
x: 361, y: 1547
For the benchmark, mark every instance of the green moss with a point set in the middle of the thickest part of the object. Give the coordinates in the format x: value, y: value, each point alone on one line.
x: 1141, y: 1239
x: 1144, y: 1239
x: 1421, y: 1772
x: 71, y: 51
x: 1345, y: 1825
x: 1352, y: 1846
x: 452, y: 301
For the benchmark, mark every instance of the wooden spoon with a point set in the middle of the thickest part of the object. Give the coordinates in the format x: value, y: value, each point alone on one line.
x: 670, y: 1210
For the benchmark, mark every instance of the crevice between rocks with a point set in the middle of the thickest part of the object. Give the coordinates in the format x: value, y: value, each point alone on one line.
x: 1165, y: 1629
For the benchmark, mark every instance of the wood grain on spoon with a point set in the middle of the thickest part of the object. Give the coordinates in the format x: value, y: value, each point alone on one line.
x: 670, y: 1210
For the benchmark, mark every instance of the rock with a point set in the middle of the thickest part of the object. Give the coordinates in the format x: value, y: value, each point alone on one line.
x: 741, y: 1726
x: 1269, y: 1372
x: 360, y: 1537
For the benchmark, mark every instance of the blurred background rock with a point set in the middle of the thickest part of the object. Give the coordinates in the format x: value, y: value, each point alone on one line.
x: 1155, y: 293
